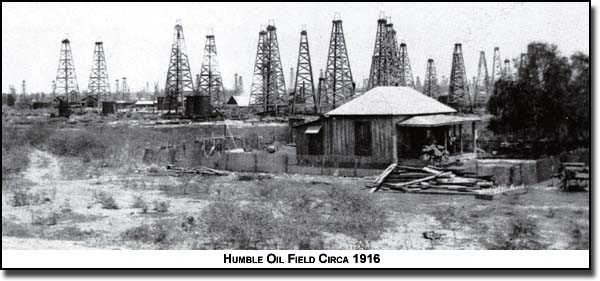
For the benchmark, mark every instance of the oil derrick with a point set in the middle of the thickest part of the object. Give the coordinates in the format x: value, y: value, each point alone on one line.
x: 117, y: 92
x: 98, y: 86
x: 258, y: 89
x: 179, y: 76
x: 482, y: 82
x: 496, y: 69
x: 339, y: 86
x: 458, y: 91
x: 430, y: 83
x: 406, y: 78
x: 125, y: 89
x: 240, y: 85
x: 379, y: 73
x: 304, y: 98
x: 507, y: 71
x: 321, y: 89
x: 292, y: 79
x: 418, y: 85
x: 210, y: 82
x: 268, y: 85
x: 66, y: 80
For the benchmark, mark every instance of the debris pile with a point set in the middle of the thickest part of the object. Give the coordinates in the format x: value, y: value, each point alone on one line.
x: 173, y: 170
x: 430, y: 180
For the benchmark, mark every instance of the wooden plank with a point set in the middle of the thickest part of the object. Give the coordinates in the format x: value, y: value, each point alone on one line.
x: 421, y: 180
x: 381, y: 178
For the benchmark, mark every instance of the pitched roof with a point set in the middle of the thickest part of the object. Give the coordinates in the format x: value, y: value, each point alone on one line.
x: 239, y: 100
x: 392, y: 101
x: 437, y: 120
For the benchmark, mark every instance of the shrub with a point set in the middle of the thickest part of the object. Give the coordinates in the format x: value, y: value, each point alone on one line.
x: 357, y: 215
x: 73, y: 233
x: 161, y: 206
x: 522, y: 235
x: 157, y: 232
x: 139, y: 202
x: 41, y: 218
x: 14, y: 160
x: 23, y: 197
x: 241, y: 227
x: 106, y: 200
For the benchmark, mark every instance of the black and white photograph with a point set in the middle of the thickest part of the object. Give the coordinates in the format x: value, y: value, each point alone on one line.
x: 310, y: 135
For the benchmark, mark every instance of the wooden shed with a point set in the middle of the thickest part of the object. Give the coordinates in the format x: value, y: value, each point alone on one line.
x: 382, y: 126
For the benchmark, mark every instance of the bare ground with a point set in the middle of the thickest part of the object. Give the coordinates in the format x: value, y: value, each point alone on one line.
x: 558, y: 215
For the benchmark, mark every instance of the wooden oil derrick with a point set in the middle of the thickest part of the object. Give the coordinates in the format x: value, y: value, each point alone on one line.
x: 66, y: 79
x: 268, y: 92
x: 99, y: 85
x: 482, y: 83
x: 430, y: 83
x: 406, y: 77
x: 418, y: 85
x: 179, y: 76
x: 339, y: 86
x: 379, y: 73
x: 496, y: 69
x: 210, y: 82
x: 304, y: 98
x: 507, y: 71
x: 458, y: 91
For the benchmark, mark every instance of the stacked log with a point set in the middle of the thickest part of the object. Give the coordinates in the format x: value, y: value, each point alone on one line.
x: 430, y: 180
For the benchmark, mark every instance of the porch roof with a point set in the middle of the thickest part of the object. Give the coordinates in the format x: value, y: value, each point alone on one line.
x: 437, y: 120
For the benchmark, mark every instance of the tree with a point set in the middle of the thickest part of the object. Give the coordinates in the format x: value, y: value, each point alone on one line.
x: 549, y: 100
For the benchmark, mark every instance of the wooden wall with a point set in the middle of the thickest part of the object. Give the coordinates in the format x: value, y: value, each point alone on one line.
x: 338, y: 142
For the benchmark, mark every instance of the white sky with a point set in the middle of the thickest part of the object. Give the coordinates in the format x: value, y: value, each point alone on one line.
x: 137, y: 36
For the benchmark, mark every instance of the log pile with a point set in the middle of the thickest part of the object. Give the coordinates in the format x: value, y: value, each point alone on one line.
x: 172, y: 170
x: 430, y: 180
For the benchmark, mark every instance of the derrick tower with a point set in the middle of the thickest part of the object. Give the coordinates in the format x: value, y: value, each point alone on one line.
x: 339, y: 86
x: 496, y: 69
x: 458, y: 91
x: 99, y: 85
x: 430, y: 83
x: 507, y: 73
x: 406, y: 78
x: 304, y: 98
x: 481, y: 82
x: 210, y: 82
x: 379, y: 74
x: 179, y: 76
x: 268, y: 84
x: 66, y: 80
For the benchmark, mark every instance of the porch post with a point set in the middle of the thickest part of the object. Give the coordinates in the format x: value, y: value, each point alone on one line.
x: 446, y: 137
x: 460, y: 128
x: 474, y: 139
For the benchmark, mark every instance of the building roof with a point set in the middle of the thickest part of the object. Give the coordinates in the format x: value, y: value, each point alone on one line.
x: 437, y: 120
x: 392, y: 101
x: 144, y: 102
x: 239, y: 100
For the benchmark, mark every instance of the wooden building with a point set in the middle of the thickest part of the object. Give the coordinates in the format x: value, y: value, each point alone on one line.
x: 382, y: 126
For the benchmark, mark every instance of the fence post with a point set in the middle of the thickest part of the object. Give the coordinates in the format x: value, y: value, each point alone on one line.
x: 355, y: 162
x: 256, y: 162
x: 286, y: 163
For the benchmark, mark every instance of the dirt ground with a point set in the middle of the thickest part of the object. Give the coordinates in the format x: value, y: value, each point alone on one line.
x: 559, y: 220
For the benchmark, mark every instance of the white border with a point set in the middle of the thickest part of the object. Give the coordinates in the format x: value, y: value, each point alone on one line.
x: 215, y: 259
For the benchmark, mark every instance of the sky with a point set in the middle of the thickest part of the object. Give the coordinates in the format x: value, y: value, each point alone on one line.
x: 138, y: 36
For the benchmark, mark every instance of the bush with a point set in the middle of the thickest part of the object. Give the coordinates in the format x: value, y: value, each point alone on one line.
x: 522, y: 235
x: 161, y: 206
x: 23, y: 197
x: 356, y: 214
x: 14, y: 160
x: 41, y: 218
x: 139, y: 202
x: 106, y: 200
x: 157, y: 232
x: 240, y: 227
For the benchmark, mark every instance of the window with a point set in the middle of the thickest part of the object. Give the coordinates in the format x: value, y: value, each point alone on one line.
x: 362, y: 138
x: 315, y: 140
